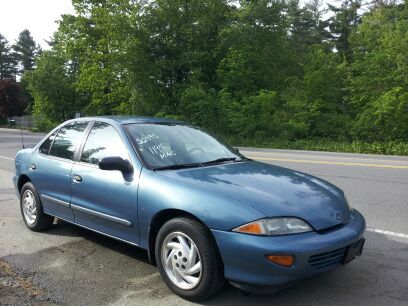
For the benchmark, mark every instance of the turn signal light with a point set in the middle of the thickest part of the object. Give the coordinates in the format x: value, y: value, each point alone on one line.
x: 251, y: 228
x: 282, y: 260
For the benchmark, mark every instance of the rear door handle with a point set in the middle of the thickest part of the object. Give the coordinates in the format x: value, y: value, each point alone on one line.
x: 77, y: 178
x: 33, y: 167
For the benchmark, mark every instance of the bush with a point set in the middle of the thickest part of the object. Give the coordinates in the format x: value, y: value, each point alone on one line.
x: 386, y: 148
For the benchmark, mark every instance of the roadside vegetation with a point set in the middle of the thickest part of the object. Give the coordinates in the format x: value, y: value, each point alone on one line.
x: 261, y: 73
x: 356, y: 146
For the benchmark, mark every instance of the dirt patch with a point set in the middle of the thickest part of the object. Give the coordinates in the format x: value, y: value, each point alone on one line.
x: 17, y: 289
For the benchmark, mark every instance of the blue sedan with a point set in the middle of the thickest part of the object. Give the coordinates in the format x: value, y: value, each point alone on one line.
x: 204, y: 213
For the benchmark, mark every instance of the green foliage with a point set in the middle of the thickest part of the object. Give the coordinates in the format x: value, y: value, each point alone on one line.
x: 199, y: 106
x: 270, y: 72
x: 14, y: 61
x: 176, y: 48
x: 343, y: 23
x: 317, y: 102
x: 387, y: 117
x: 25, y: 51
x: 259, y: 55
x: 51, y: 85
x: 325, y: 144
x: 379, y: 80
x: 95, y: 44
x: 7, y: 60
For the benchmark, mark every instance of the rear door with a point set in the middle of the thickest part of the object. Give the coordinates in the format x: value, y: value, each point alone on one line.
x: 50, y: 169
x: 105, y: 201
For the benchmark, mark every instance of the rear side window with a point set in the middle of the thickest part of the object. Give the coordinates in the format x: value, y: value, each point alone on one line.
x: 67, y: 140
x: 45, y: 147
x: 103, y: 141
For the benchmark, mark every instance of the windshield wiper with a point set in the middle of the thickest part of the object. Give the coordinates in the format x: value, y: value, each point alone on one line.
x: 219, y: 160
x: 194, y: 165
x: 181, y: 166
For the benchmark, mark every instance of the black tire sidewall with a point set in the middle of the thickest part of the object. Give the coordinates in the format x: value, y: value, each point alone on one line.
x: 212, y: 277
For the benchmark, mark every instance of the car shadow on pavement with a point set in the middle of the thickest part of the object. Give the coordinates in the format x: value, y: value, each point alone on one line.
x: 63, y: 228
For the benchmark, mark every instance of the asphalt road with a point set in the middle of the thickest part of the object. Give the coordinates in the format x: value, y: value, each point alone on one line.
x: 69, y: 265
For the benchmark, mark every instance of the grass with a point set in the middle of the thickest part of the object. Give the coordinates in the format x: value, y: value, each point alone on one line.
x: 384, y: 148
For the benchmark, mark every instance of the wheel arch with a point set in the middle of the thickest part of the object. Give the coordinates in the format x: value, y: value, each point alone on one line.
x: 23, y: 179
x: 159, y: 220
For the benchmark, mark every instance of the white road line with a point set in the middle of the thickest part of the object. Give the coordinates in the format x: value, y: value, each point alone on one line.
x: 388, y: 233
x: 9, y: 158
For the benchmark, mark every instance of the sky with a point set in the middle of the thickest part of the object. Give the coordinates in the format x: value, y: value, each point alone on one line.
x: 38, y: 16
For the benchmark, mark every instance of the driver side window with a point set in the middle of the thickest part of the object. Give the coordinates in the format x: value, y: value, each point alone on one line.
x: 103, y: 141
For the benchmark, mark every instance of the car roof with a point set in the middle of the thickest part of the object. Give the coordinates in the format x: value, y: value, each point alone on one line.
x: 134, y: 119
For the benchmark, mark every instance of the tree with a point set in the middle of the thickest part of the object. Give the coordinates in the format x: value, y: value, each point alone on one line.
x: 96, y: 41
x: 386, y: 118
x: 199, y: 107
x: 259, y: 55
x: 317, y: 102
x: 306, y: 26
x: 342, y: 24
x: 245, y: 69
x: 178, y: 47
x: 26, y: 51
x: 11, y: 102
x: 7, y: 60
x: 52, y: 87
x: 378, y: 84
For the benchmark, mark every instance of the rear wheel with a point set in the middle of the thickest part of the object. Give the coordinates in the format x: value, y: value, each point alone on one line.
x: 188, y: 259
x: 32, y: 210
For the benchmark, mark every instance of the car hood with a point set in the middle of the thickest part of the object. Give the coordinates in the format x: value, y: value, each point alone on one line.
x: 272, y: 190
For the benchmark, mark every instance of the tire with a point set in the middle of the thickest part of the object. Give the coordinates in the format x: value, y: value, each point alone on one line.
x: 205, y: 283
x: 32, y: 211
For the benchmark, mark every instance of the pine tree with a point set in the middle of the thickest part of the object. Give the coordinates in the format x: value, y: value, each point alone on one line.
x: 306, y: 26
x: 343, y: 23
x: 7, y: 60
x: 26, y: 51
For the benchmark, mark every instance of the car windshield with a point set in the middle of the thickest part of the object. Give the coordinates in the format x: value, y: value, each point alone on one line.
x: 166, y: 146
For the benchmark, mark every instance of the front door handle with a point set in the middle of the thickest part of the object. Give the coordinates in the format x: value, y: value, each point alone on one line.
x: 77, y: 178
x: 33, y: 167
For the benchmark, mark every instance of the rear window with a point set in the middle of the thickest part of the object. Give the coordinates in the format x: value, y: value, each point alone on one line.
x: 67, y: 140
x: 45, y: 146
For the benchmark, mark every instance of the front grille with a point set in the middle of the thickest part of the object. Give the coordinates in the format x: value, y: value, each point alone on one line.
x: 323, y: 260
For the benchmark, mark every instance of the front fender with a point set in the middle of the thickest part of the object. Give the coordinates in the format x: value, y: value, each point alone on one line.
x: 157, y: 193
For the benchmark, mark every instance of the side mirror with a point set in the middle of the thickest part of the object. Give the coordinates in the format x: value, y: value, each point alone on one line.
x: 236, y: 149
x: 116, y: 163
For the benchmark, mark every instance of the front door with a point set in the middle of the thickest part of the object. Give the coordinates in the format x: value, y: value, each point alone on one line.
x: 105, y: 201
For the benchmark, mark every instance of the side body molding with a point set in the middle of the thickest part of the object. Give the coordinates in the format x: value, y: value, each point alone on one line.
x: 101, y: 215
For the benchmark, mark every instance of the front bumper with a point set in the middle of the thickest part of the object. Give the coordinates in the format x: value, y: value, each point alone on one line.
x: 244, y: 255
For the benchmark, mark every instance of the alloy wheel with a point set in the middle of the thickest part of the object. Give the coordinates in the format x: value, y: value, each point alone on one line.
x: 29, y: 207
x: 181, y: 260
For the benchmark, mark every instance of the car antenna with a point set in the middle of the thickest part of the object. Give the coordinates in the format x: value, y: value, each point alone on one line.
x: 22, y: 138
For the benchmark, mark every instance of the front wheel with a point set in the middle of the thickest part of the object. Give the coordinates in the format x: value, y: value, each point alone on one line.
x: 188, y: 259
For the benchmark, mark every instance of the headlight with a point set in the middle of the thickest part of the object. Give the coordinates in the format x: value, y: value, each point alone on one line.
x: 274, y: 226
